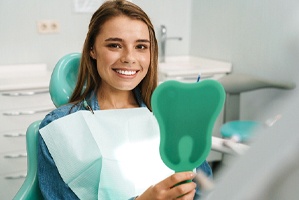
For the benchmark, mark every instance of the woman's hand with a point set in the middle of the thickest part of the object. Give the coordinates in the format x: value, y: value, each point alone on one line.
x: 170, y: 188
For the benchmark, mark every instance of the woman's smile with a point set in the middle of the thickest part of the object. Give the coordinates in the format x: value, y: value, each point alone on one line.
x: 126, y: 72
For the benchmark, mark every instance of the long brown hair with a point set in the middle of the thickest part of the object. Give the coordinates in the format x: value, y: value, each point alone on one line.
x: 88, y: 77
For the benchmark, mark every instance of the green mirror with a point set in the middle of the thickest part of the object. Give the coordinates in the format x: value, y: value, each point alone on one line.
x: 186, y: 113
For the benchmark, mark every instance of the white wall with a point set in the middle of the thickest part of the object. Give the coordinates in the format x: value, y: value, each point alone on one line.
x: 176, y: 16
x: 21, y: 43
x: 260, y: 37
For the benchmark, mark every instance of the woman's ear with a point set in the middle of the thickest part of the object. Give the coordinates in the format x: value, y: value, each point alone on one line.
x: 92, y: 53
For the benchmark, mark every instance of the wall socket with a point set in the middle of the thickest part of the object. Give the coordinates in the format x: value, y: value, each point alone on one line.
x: 48, y: 26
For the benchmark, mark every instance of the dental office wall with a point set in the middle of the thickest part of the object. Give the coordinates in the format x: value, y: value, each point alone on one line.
x: 22, y: 44
x: 259, y: 37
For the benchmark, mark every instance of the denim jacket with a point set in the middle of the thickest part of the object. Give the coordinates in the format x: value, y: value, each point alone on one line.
x: 51, y: 184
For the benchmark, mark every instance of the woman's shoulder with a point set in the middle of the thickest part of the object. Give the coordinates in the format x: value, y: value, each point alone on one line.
x: 60, y: 112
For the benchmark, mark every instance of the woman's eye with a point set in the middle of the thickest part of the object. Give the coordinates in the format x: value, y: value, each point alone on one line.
x: 114, y: 45
x: 141, y: 46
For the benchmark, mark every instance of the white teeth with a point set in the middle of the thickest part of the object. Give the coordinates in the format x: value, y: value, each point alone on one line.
x: 124, y: 72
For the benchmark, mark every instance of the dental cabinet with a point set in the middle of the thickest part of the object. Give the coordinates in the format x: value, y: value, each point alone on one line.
x: 24, y: 98
x: 187, y: 69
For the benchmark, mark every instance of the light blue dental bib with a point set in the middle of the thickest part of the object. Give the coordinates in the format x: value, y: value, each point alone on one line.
x: 111, y: 154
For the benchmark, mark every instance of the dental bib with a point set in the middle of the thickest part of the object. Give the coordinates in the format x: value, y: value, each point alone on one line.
x: 111, y: 154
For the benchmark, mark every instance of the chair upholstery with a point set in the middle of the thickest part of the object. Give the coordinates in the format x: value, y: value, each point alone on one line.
x: 64, y: 78
x: 62, y: 84
x: 30, y: 189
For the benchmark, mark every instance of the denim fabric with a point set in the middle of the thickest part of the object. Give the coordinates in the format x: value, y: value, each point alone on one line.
x: 50, y: 182
x: 204, y: 167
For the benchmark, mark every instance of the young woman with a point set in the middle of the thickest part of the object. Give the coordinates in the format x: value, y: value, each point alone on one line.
x: 118, y: 70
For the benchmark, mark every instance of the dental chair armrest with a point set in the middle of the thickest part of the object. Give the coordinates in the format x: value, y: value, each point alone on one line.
x: 237, y: 83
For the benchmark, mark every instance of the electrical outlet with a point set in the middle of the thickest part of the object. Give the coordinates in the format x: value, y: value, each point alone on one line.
x: 48, y: 26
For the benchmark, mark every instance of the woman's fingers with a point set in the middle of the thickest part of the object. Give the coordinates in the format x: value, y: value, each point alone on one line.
x: 185, y: 189
x: 177, y: 178
x: 187, y: 196
x: 178, y: 185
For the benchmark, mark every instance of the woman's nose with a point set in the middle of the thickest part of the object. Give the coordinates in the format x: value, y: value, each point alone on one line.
x: 128, y: 56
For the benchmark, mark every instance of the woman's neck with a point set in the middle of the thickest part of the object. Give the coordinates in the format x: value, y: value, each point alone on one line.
x: 115, y: 99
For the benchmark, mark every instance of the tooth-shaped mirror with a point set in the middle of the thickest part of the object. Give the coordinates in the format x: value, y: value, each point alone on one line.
x: 186, y: 114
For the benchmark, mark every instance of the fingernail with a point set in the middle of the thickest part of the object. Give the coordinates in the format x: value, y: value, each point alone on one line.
x: 193, y: 174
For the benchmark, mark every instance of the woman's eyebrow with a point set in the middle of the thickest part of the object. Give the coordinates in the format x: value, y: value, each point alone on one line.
x: 143, y: 40
x: 120, y: 40
x: 114, y: 39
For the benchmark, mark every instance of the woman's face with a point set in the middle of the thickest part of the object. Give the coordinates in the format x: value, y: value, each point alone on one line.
x: 122, y: 53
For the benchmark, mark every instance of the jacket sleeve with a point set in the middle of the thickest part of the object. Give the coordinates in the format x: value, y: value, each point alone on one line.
x: 205, y: 168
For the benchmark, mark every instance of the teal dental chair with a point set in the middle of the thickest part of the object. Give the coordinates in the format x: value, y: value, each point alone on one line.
x: 234, y: 85
x: 63, y: 79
